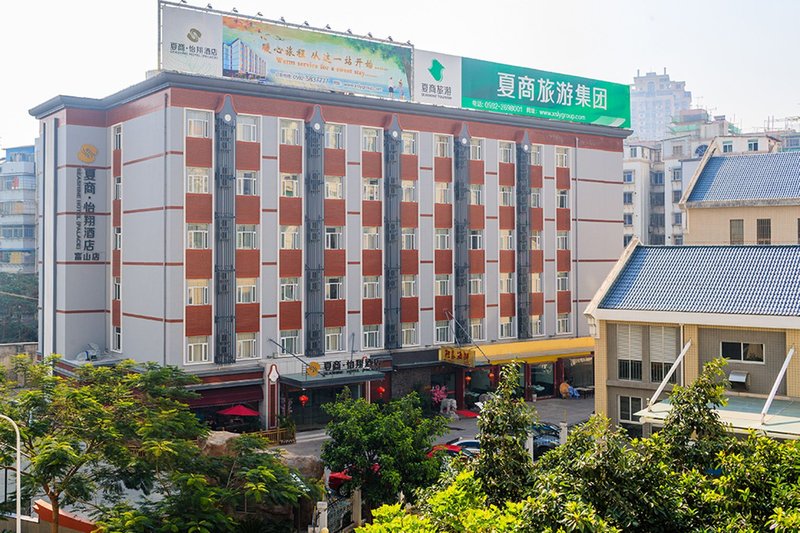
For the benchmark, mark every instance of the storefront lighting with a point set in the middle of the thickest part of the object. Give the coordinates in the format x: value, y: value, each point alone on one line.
x: 303, y: 400
x: 468, y: 378
x: 380, y: 391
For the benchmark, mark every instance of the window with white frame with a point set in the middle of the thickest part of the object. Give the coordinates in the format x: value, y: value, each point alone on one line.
x: 408, y: 190
x: 507, y: 327
x: 118, y: 137
x: 408, y: 238
x: 198, y: 123
x: 562, y: 157
x: 506, y: 151
x: 246, y: 237
x: 372, y: 189
x: 333, y: 288
x: 118, y: 188
x: 247, y: 128
x: 118, y: 238
x: 290, y: 185
x: 334, y: 136
x: 506, y: 239
x: 536, y: 197
x: 442, y: 145
x: 116, y: 339
x: 290, y: 291
x: 371, y: 238
x: 476, y: 194
x: 409, y: 333
x: 536, y: 282
x: 627, y: 176
x: 197, y: 292
x: 333, y: 339
x: 333, y: 238
x: 116, y: 292
x: 442, y: 239
x: 746, y: 352
x: 247, y: 182
x: 291, y: 132
x: 290, y: 237
x: 563, y: 323
x: 476, y: 239
x: 506, y: 195
x: 196, y: 236
x: 629, y: 352
x: 246, y: 346
x: 196, y: 180
x: 246, y: 291
x: 536, y: 240
x: 196, y: 350
x: 372, y: 287
x: 442, y: 192
x: 536, y: 155
x: 443, y: 332
x: 476, y: 329
x: 409, y: 143
x: 752, y: 145
x: 476, y: 149
x: 562, y: 198
x: 334, y: 187
x: 562, y: 240
x: 443, y: 285
x: 476, y: 283
x: 372, y: 336
x: 536, y: 326
x: 562, y: 281
x: 370, y: 140
x: 663, y: 352
x: 290, y: 341
x: 727, y: 147
x: 408, y: 285
x: 507, y: 282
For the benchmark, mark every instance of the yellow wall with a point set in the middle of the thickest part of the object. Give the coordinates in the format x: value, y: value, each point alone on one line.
x: 793, y: 372
x: 601, y: 370
x: 711, y: 225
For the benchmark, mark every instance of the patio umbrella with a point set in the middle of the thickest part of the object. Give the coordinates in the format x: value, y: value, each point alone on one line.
x: 238, y: 410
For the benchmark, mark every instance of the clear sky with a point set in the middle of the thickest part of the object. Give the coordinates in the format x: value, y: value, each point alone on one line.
x: 738, y: 57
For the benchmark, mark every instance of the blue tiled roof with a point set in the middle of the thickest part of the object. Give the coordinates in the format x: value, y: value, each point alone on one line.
x: 748, y: 177
x: 748, y: 280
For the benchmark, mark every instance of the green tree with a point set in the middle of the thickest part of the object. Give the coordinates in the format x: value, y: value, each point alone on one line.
x: 18, y: 307
x: 382, y: 446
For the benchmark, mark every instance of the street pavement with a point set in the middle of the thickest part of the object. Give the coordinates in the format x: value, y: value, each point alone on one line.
x: 553, y: 410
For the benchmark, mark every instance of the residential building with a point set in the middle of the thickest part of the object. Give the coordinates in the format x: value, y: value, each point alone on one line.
x: 655, y: 101
x: 18, y: 211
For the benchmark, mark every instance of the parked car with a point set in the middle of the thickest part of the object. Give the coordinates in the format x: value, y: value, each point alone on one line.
x: 546, y: 436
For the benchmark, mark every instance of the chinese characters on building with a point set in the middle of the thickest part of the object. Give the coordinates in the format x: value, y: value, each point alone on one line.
x: 192, y: 50
x: 546, y: 91
x: 85, y: 221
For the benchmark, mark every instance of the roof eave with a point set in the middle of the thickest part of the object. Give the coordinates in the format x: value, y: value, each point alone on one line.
x: 611, y: 278
x: 701, y: 319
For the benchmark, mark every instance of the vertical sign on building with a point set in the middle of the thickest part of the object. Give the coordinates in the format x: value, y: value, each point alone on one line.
x: 85, y: 217
x: 437, y: 78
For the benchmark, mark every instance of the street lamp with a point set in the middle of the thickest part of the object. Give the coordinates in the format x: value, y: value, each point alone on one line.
x: 19, y: 473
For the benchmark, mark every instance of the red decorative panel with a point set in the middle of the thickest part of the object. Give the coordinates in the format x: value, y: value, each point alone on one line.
x: 335, y: 262
x: 564, y: 301
x: 562, y: 219
x: 409, y: 167
x: 371, y: 262
x: 115, y: 312
x: 477, y: 261
x: 506, y: 174
x: 247, y: 265
x: 116, y: 164
x: 198, y: 152
x: 443, y: 307
x: 409, y: 214
x: 508, y: 261
x: 443, y: 215
x: 563, y: 261
x: 248, y: 210
x: 116, y: 213
x: 248, y: 156
x: 335, y: 313
x: 477, y: 306
x: 537, y: 219
x: 476, y: 171
x: 476, y: 218
x: 372, y: 164
x: 247, y: 318
x: 198, y: 264
x: 291, y: 159
x: 291, y: 264
x: 443, y: 261
x: 198, y: 320
x: 334, y: 212
x: 508, y: 304
x: 291, y: 315
x: 198, y: 209
x: 115, y: 262
x: 537, y: 177
x: 291, y: 211
x: 442, y: 169
x: 537, y: 303
x: 537, y: 260
x: 409, y: 309
x: 508, y: 215
x: 371, y: 311
x: 334, y: 162
x: 409, y: 262
x: 371, y: 213
x: 562, y: 178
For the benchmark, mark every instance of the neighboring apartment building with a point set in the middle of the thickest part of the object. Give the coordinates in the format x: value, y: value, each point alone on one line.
x: 281, y: 243
x: 18, y: 211
x: 655, y: 101
x: 665, y: 308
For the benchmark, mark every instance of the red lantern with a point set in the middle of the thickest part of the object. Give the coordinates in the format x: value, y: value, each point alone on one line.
x: 303, y: 400
x: 380, y: 391
x: 468, y: 379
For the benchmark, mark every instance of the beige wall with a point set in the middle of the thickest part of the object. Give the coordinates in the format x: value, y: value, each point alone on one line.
x: 711, y: 225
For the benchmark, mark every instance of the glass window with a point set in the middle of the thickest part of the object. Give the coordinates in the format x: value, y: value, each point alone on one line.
x: 476, y: 149
x: 627, y: 198
x: 536, y: 155
x: 536, y: 325
x: 196, y: 180
x: 409, y: 333
x: 290, y: 185
x: 742, y: 351
x: 116, y: 293
x: 507, y: 282
x: 627, y: 219
x: 476, y: 194
x: 663, y: 352
x: 476, y: 283
x: 763, y: 231
x: 562, y: 198
x: 677, y: 174
x: 562, y: 240
x: 506, y: 196
x: 246, y: 237
x: 118, y: 188
x: 727, y: 147
x: 442, y: 145
x: 562, y: 281
x: 197, y: 236
x: 476, y: 329
x: 408, y: 286
x: 372, y: 287
x: 289, y: 290
x: 752, y: 145
x: 536, y: 195
x: 247, y: 182
x: 291, y: 132
x: 334, y: 136
x: 290, y: 341
x: 476, y: 239
x: 536, y: 282
x: 246, y: 291
x: 443, y: 285
x: 333, y: 238
x: 629, y: 352
x: 506, y: 150
x: 627, y: 407
x: 442, y: 239
x: 371, y: 238
x: 409, y: 143
x: 333, y: 288
x: 737, y: 231
x: 116, y: 339
x: 118, y: 137
x: 536, y: 240
x: 196, y: 350
x: 370, y: 140
x: 290, y: 238
x: 197, y: 292
x: 442, y: 192
x: 506, y: 239
x: 372, y: 189
x: 562, y: 157
x: 507, y: 329
x: 408, y: 239
x: 333, y: 340
x: 409, y: 190
x: 198, y: 123
x: 677, y: 219
x: 247, y: 128
x: 246, y: 346
x: 334, y: 187
x: 627, y: 176
x: 443, y: 332
x: 372, y: 336
x: 563, y: 323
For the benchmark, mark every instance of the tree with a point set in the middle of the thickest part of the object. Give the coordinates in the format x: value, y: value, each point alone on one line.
x: 382, y: 446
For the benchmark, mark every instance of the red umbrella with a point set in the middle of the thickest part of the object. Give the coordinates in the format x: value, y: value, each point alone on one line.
x: 238, y: 410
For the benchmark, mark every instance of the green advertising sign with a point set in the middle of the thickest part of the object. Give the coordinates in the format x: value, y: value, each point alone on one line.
x: 536, y: 93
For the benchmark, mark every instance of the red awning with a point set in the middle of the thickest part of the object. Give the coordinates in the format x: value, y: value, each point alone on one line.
x: 228, y: 396
x: 238, y: 410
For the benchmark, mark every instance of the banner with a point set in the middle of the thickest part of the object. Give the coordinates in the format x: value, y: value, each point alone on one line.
x: 437, y: 78
x: 191, y: 41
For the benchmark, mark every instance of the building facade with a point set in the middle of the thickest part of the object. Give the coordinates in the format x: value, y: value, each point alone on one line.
x: 18, y: 211
x: 655, y: 101
x: 281, y: 243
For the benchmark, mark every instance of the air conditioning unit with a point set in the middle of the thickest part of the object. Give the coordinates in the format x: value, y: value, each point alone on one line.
x: 740, y: 380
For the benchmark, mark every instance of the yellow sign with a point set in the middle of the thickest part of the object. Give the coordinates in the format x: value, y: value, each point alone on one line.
x: 457, y: 356
x: 87, y: 153
x: 312, y: 369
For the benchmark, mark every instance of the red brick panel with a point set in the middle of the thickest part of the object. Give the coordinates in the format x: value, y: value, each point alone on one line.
x: 371, y: 311
x: 564, y: 302
x: 537, y: 219
x: 335, y: 313
x: 562, y: 178
x: 247, y: 265
x: 116, y: 213
x: 198, y: 209
x: 115, y: 262
x: 508, y: 215
x: 562, y: 219
x: 372, y: 164
x: 443, y: 261
x: 477, y: 306
x: 334, y: 162
x: 198, y: 320
x: 334, y: 212
x: 198, y: 264
x: 291, y: 315
x: 291, y: 211
x: 371, y: 213
x: 248, y: 209
x: 537, y: 177
x: 409, y: 214
x: 563, y: 260
x: 291, y: 264
x: 198, y: 152
x: 442, y: 215
x: 248, y: 156
x: 442, y: 169
x: 508, y: 261
x: 409, y: 309
x: 409, y: 262
x: 409, y: 167
x: 247, y: 318
x: 371, y: 262
x: 506, y: 174
x: 537, y: 260
x: 116, y: 164
x: 477, y: 261
x: 291, y: 159
x: 335, y: 262
x: 508, y: 304
x: 444, y: 307
x: 476, y: 218
x: 537, y: 303
x: 476, y: 172
x: 115, y: 312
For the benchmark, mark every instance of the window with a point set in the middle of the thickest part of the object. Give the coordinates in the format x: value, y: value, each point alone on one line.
x: 118, y: 137
x: 408, y: 286
x: 657, y: 178
x: 656, y: 199
x: 476, y: 239
x: 742, y: 351
x: 562, y: 159
x: 333, y: 238
x: 372, y: 189
x: 727, y: 147
x: 409, y: 190
x: 627, y: 198
x: 677, y: 174
x: 197, y: 292
x: 333, y: 340
x: 536, y: 282
x: 197, y: 236
x: 507, y: 329
x: 562, y: 240
x: 563, y: 323
x: 627, y: 176
x: 676, y: 196
x: 562, y: 281
x: 562, y: 198
x: 196, y: 350
x: 334, y: 187
x: 118, y: 188
x: 246, y: 291
x: 752, y: 145
x: 506, y: 150
x: 247, y: 182
x: 370, y: 140
x: 627, y: 219
x: 409, y: 143
x: 372, y: 287
x: 371, y: 238
x: 476, y: 149
x: 737, y: 231
x: 656, y: 220
x: 506, y: 239
x: 633, y: 151
x: 118, y: 238
x: 663, y: 352
x: 536, y: 195
x: 289, y: 290
x: 627, y: 407
x: 246, y: 346
x: 116, y: 292
x: 677, y: 219
x: 536, y: 326
x: 507, y: 196
x: 197, y: 123
x: 626, y: 239
x: 290, y: 238
x: 536, y: 240
x: 408, y: 239
x: 333, y: 288
x: 629, y: 352
x: 476, y: 329
x: 442, y: 284
x: 290, y: 341
x: 291, y: 132
x: 443, y: 330
x: 409, y: 333
x: 334, y: 136
x: 196, y: 180
x: 290, y: 185
x: 246, y: 237
x: 476, y: 194
x: 442, y: 239
x: 507, y: 282
x: 247, y: 128
x: 476, y: 283
x: 677, y: 150
x: 372, y: 336
x: 442, y: 192
x: 442, y: 145
x: 763, y: 231
x: 677, y: 240
x: 536, y: 154
x: 116, y: 339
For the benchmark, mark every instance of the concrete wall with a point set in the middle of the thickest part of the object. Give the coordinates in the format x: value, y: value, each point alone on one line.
x: 711, y: 225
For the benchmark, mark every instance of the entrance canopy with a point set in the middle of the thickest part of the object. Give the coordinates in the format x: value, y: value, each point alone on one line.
x: 743, y: 413
x: 238, y: 410
x: 304, y: 381
x: 541, y: 351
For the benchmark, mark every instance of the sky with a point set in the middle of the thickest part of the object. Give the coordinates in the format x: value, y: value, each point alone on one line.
x: 737, y: 57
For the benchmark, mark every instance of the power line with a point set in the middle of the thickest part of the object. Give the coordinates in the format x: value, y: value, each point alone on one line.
x: 19, y: 296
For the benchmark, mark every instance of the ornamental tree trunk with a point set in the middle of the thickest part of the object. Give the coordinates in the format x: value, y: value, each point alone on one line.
x: 56, y: 508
